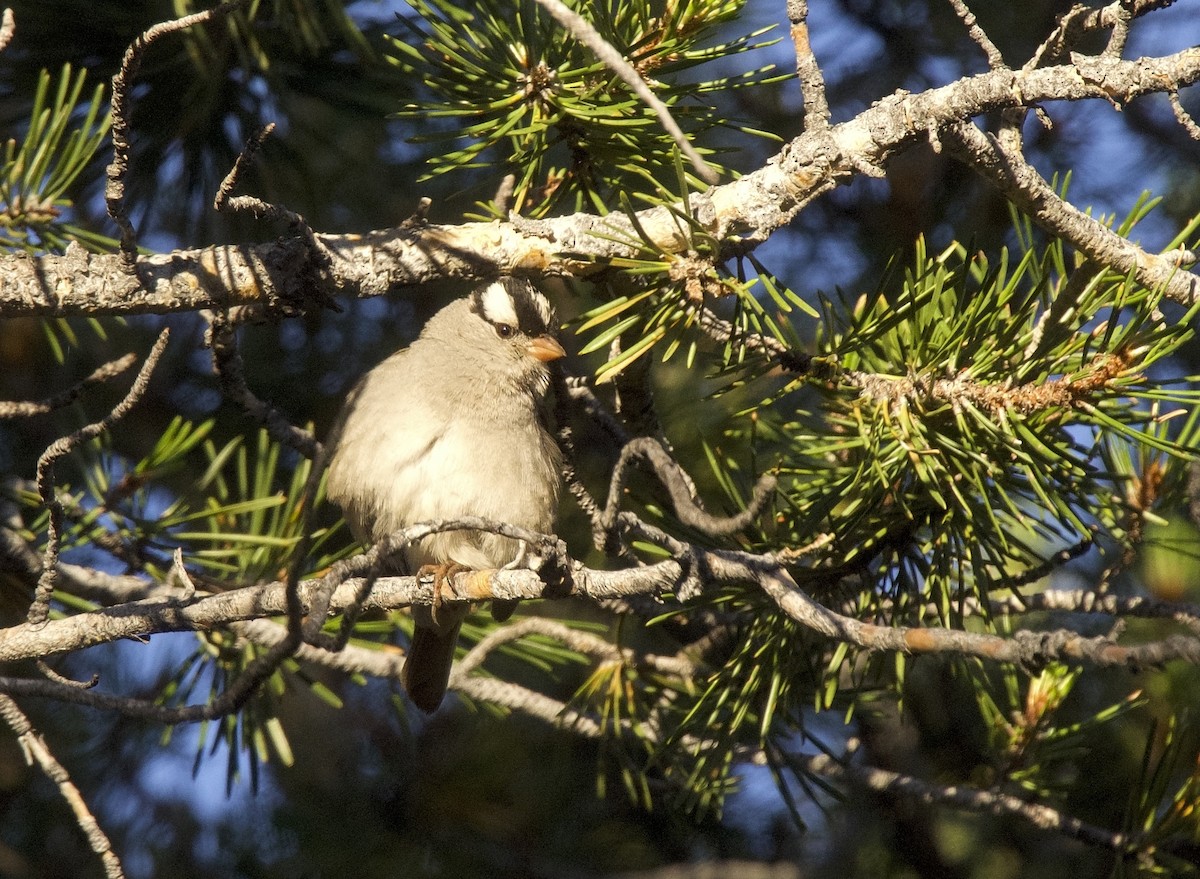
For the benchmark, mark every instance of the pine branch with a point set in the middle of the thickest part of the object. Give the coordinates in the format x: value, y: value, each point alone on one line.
x: 1020, y: 182
x: 273, y: 279
x: 715, y: 568
x: 983, y: 801
x: 583, y: 31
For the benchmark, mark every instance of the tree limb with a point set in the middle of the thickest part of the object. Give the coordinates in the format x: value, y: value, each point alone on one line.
x: 1019, y: 182
x: 272, y: 280
x: 715, y: 567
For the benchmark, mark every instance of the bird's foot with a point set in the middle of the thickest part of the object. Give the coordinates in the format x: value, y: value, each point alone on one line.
x: 440, y: 573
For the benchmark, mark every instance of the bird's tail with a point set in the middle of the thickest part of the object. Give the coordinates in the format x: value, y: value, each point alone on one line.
x: 426, y: 672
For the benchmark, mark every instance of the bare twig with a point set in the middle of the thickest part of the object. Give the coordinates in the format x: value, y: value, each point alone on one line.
x: 972, y: 799
x: 581, y: 642
x: 517, y: 698
x: 564, y: 396
x: 231, y: 700
x: 1183, y: 116
x: 583, y: 31
x: 1055, y: 561
x: 504, y: 193
x: 1081, y: 19
x: 812, y: 82
x: 318, y: 253
x: 977, y: 33
x: 51, y: 674
x: 1091, y: 602
x: 40, y: 609
x: 420, y: 215
x: 1071, y: 601
x: 23, y: 561
x: 1055, y: 46
x: 226, y: 201
x: 227, y: 364
x: 792, y: 554
x: 35, y: 750
x: 20, y: 409
x: 386, y: 663
x: 582, y: 392
x: 1028, y: 649
x: 687, y: 506
x: 114, y: 192
x: 1120, y: 29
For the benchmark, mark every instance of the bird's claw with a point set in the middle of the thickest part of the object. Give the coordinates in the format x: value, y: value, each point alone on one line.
x: 440, y: 573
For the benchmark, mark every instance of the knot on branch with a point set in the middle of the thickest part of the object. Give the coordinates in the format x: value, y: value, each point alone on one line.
x: 1035, y: 650
x: 696, y: 275
x: 555, y: 566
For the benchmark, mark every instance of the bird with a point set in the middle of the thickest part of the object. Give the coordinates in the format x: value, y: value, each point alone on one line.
x: 459, y: 423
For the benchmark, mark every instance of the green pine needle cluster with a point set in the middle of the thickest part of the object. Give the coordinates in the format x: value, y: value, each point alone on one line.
x: 959, y: 430
x: 982, y: 418
x: 1036, y: 750
x: 41, y: 170
x: 652, y: 300
x: 1164, y: 802
x: 522, y: 93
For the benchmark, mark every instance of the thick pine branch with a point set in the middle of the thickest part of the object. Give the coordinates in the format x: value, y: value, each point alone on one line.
x: 284, y: 277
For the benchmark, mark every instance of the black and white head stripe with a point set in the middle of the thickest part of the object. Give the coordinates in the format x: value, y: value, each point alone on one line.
x: 516, y: 303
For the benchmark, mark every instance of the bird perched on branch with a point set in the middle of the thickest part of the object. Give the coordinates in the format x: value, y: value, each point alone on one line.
x: 457, y: 424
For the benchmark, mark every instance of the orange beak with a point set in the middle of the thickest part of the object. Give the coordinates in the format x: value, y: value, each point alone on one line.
x: 545, y: 349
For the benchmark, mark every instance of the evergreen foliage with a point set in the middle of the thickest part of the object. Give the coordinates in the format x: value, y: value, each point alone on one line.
x: 986, y: 419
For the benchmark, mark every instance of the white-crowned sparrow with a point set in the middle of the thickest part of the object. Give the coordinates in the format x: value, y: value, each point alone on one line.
x: 457, y: 424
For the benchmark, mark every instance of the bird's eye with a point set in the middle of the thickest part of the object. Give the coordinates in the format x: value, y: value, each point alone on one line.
x: 505, y: 331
